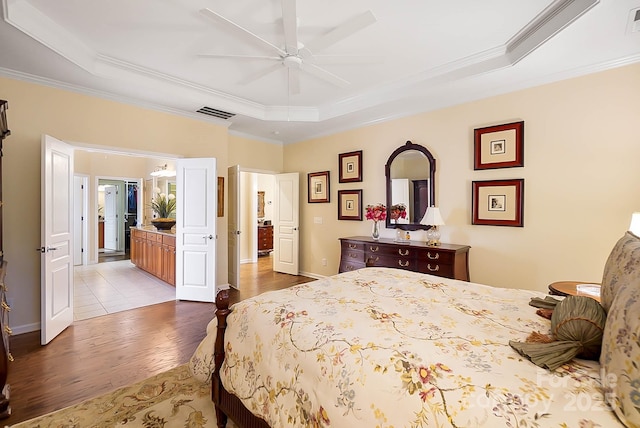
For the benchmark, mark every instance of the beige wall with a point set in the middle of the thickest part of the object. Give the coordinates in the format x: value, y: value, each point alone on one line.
x: 35, y: 110
x: 581, y: 173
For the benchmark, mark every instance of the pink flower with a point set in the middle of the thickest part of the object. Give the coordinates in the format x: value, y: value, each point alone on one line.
x: 376, y: 212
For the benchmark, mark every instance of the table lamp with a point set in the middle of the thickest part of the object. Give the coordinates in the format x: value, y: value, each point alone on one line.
x: 634, y: 227
x: 432, y: 218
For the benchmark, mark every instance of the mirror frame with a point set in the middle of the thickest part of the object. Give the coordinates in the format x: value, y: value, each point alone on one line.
x: 432, y: 184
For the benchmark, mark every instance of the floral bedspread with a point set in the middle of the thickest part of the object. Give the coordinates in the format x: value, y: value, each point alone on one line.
x: 381, y: 347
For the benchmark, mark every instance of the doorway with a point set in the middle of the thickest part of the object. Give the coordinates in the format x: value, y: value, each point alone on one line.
x: 118, y: 200
x: 250, y: 221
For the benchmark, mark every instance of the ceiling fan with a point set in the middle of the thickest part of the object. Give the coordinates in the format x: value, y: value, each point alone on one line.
x: 295, y: 56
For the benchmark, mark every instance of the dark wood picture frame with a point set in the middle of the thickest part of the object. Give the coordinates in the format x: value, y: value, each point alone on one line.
x: 318, y: 189
x: 350, y: 167
x: 220, y: 196
x: 499, y: 146
x: 498, y: 202
x: 350, y: 204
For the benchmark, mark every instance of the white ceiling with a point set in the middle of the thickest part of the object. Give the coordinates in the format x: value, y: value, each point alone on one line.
x: 406, y: 57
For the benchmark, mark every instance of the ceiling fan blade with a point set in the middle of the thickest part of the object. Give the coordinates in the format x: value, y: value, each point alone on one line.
x: 342, y: 31
x: 294, y: 80
x: 252, y: 57
x: 325, y: 75
x: 346, y: 59
x: 243, y: 32
x: 261, y: 73
x: 289, y: 20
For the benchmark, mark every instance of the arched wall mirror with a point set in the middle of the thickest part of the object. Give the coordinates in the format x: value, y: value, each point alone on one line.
x: 410, y: 173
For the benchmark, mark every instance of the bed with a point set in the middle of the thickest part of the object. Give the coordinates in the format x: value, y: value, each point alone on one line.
x: 381, y: 347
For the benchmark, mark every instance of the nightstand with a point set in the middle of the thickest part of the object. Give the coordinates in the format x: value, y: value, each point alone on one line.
x: 571, y: 288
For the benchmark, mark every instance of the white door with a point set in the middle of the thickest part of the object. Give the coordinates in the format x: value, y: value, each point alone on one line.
x: 110, y: 217
x: 196, y: 217
x: 286, y: 223
x: 57, y: 238
x: 233, y: 244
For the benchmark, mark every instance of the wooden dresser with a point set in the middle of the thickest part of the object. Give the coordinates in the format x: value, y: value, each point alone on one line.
x: 265, y: 239
x: 446, y: 260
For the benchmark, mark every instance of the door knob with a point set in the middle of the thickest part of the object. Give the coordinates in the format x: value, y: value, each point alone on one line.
x: 208, y: 236
x: 46, y: 249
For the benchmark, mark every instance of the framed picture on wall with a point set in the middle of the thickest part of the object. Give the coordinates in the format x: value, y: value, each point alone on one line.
x: 220, y: 196
x: 498, y: 202
x: 500, y: 146
x: 350, y: 204
x: 350, y: 167
x: 318, y: 187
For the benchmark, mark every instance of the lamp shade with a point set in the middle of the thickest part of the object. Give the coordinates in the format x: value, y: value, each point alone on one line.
x: 432, y: 217
x: 634, y: 227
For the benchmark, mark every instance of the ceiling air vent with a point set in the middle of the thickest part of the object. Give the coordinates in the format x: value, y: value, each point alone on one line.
x: 216, y: 113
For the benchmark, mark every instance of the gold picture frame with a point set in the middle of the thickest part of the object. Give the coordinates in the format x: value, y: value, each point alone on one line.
x: 350, y: 167
x: 350, y: 204
x: 500, y: 146
x: 220, y: 196
x: 498, y: 202
x: 318, y: 187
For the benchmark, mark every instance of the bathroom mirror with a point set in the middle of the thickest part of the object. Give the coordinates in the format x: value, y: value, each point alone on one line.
x: 410, y: 173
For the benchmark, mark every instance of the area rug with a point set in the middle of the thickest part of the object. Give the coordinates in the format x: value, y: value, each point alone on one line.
x: 170, y: 399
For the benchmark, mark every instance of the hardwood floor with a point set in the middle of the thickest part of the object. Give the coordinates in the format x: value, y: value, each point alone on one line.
x: 98, y: 355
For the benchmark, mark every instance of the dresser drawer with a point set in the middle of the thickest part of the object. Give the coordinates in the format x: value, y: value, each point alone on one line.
x: 349, y: 245
x: 435, y: 268
x: 434, y: 256
x: 390, y: 250
x: 349, y: 265
x: 379, y: 260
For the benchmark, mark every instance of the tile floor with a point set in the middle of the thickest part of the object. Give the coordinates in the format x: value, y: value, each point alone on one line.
x: 105, y: 288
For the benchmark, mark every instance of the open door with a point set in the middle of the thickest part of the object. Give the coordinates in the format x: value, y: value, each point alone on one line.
x: 196, y: 184
x: 233, y: 244
x: 286, y: 223
x: 56, y: 238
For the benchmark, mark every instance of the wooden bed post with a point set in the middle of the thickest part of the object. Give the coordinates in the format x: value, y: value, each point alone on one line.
x: 222, y: 311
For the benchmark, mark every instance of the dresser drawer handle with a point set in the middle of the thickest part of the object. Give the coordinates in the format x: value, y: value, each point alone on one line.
x: 353, y: 255
x: 353, y: 246
x: 405, y: 264
x: 5, y: 306
x: 403, y: 252
x: 371, y: 259
x: 374, y: 249
x: 8, y: 329
x: 349, y: 267
x: 436, y: 257
x: 10, y: 357
x: 433, y: 269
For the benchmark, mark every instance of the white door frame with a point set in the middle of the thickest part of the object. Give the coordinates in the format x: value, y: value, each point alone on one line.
x: 254, y: 234
x: 94, y: 190
x: 81, y: 224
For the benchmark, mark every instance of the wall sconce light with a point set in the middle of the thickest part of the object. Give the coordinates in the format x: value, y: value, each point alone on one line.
x: 432, y: 218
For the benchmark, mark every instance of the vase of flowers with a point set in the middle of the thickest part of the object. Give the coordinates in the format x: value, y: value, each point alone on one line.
x: 398, y: 211
x: 163, y: 206
x: 376, y: 213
